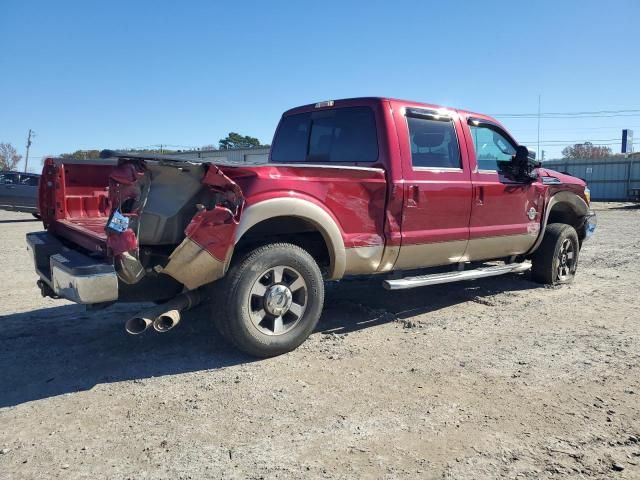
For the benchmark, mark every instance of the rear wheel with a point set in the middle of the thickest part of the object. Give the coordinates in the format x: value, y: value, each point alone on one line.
x: 270, y: 300
x: 556, y: 260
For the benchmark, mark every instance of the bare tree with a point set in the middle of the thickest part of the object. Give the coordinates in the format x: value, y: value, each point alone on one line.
x: 586, y: 150
x: 9, y: 157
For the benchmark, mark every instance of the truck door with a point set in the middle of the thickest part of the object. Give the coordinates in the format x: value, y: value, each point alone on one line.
x: 437, y: 188
x: 26, y: 191
x: 505, y: 213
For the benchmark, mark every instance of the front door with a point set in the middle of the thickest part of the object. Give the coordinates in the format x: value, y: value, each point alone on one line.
x: 505, y: 214
x: 437, y: 188
x: 8, y: 183
x: 26, y: 192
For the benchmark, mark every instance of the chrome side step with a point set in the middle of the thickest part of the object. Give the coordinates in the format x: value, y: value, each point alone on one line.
x: 437, y: 278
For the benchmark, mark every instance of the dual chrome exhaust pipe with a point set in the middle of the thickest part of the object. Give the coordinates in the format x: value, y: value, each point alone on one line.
x: 163, y: 317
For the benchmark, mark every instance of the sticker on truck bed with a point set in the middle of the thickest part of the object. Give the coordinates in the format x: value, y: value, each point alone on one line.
x: 118, y: 223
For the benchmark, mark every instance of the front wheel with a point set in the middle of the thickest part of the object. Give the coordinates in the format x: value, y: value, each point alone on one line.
x: 270, y: 300
x: 556, y: 260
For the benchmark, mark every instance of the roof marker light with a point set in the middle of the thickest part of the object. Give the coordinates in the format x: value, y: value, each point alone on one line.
x: 326, y: 103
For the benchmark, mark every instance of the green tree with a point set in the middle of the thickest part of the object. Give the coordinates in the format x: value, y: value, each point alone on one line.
x: 9, y: 157
x: 82, y: 154
x: 235, y: 140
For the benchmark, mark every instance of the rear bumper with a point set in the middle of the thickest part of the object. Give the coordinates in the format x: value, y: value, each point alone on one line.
x: 71, y: 274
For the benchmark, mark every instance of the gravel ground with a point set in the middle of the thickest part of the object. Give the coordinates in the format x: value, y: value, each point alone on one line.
x: 494, y: 378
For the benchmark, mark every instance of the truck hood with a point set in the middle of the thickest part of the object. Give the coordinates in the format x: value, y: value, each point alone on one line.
x: 564, y: 178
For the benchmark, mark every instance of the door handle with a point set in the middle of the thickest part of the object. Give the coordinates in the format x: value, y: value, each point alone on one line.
x: 413, y: 199
x: 10, y: 187
x: 478, y: 195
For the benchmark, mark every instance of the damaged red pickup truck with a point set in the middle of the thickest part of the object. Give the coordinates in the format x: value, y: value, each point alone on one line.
x: 353, y: 187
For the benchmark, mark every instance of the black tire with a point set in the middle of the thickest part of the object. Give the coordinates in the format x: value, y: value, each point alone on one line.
x: 237, y: 309
x: 556, y: 259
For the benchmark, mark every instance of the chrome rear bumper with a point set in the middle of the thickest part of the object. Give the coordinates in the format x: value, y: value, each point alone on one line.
x: 71, y: 274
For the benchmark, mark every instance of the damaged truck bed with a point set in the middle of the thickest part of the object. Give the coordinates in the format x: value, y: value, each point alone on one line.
x: 176, y: 218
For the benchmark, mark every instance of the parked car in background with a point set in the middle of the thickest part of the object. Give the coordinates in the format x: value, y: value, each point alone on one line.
x: 19, y: 192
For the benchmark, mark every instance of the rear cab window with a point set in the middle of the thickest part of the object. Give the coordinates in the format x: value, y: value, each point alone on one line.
x: 339, y: 135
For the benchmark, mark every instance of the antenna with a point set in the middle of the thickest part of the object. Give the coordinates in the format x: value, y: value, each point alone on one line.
x: 538, y: 152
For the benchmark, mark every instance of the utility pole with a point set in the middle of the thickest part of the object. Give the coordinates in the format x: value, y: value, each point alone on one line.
x: 538, y: 153
x: 26, y: 159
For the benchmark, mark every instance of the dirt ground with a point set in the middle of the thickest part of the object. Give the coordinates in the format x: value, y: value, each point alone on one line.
x: 485, y: 379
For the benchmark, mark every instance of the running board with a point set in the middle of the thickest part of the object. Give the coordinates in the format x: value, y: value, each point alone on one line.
x: 438, y: 278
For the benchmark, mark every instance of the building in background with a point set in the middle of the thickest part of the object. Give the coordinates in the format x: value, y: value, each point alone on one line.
x: 613, y: 179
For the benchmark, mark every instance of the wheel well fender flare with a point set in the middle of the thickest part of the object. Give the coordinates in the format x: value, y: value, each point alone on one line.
x: 303, y: 209
x: 570, y: 199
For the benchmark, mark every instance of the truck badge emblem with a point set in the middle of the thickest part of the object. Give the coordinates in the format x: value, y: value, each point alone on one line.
x: 532, y: 213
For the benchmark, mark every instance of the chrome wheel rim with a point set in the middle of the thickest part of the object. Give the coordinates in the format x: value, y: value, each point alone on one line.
x: 277, y: 300
x: 566, y: 260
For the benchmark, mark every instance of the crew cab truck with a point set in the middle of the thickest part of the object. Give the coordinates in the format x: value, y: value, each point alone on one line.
x: 353, y: 187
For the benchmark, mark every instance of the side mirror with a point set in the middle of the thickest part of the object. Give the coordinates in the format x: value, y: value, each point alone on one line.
x: 521, y: 167
x: 522, y: 155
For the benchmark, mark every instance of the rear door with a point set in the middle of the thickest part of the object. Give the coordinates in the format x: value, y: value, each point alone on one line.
x: 437, y: 188
x: 505, y: 213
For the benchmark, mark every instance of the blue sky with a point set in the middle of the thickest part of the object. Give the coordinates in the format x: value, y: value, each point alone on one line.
x: 136, y: 73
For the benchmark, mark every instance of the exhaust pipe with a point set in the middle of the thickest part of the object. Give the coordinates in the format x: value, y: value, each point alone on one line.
x: 167, y: 320
x: 140, y: 322
x: 172, y: 311
x: 164, y: 317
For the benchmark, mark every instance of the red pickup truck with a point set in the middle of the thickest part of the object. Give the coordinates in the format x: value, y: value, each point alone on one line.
x: 353, y: 187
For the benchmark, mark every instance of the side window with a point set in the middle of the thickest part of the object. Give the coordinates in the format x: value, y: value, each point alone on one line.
x: 340, y: 135
x: 433, y: 143
x: 29, y: 180
x: 8, y: 178
x: 491, y: 147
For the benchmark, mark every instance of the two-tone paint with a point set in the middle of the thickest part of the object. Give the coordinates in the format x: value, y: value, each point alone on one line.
x: 373, y: 217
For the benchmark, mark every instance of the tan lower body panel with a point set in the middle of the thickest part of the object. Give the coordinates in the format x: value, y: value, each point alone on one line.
x: 498, y: 247
x: 446, y: 253
x: 193, y: 266
x: 363, y: 260
x: 430, y: 254
x: 389, y: 257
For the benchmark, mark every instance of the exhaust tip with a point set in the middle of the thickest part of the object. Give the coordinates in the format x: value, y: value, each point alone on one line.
x: 166, y: 321
x: 137, y: 325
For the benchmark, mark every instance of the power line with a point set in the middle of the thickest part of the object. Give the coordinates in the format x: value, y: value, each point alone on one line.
x: 578, y: 128
x: 595, y: 113
x: 581, y: 140
x: 551, y: 116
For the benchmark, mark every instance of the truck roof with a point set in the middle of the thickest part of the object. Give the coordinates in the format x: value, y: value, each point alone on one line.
x: 344, y: 102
